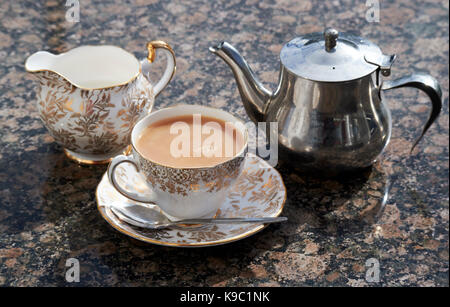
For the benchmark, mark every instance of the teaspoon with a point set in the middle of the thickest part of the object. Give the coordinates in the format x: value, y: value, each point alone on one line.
x: 149, y: 218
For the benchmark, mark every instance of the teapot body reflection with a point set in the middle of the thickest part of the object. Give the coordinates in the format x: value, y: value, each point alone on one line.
x: 90, y: 97
x: 328, y: 104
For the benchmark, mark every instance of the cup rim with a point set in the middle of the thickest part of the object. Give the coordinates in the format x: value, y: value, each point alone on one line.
x: 237, y: 155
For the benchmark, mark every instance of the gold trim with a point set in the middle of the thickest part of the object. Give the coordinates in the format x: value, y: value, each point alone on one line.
x: 151, y: 52
x: 153, y: 45
x: 127, y: 151
x: 194, y: 244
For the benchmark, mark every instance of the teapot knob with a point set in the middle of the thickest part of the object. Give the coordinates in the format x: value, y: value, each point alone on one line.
x: 331, y: 36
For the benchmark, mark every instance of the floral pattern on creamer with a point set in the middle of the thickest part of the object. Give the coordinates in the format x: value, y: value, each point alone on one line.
x: 95, y: 121
x: 258, y: 192
x: 183, y: 181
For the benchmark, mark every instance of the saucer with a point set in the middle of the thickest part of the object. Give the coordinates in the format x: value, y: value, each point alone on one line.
x: 258, y: 192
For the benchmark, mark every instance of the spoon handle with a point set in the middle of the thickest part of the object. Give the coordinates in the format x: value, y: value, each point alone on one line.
x: 264, y: 220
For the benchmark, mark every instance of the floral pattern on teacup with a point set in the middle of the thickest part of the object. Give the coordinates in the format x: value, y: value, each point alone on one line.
x: 183, y: 181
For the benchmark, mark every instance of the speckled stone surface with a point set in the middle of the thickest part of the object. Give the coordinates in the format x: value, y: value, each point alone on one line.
x: 47, y: 203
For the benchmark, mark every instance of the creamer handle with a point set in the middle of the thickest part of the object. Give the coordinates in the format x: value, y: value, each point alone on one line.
x: 170, y: 67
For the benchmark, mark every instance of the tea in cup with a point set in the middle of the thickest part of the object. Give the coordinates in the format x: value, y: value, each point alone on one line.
x: 189, y: 155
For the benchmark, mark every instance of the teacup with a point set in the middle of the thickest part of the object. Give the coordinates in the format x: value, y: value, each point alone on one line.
x: 183, y: 192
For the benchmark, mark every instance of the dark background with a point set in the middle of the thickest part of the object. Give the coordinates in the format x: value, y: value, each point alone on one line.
x: 47, y: 203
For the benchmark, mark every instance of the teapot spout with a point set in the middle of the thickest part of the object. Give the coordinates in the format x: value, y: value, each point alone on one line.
x: 254, y: 96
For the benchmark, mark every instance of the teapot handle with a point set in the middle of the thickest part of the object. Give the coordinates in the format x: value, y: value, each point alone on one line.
x: 430, y: 86
x: 170, y: 66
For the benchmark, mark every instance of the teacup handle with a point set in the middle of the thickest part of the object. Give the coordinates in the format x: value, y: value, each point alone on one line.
x: 170, y: 67
x: 111, y: 175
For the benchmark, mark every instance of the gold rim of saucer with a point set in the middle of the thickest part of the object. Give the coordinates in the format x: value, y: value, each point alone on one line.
x: 126, y: 152
x: 102, y: 210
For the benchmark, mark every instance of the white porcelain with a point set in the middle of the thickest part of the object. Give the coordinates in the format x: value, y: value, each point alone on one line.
x: 189, y: 192
x: 259, y: 191
x: 91, y: 96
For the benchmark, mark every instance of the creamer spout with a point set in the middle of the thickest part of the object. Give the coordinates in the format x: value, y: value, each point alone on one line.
x: 39, y: 61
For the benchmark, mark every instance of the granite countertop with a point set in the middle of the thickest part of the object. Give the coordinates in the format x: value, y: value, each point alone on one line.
x: 48, y: 209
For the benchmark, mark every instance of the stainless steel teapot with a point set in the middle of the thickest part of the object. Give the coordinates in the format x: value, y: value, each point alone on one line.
x: 328, y: 101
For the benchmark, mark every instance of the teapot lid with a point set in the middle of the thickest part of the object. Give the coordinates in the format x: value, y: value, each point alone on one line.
x: 333, y: 57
